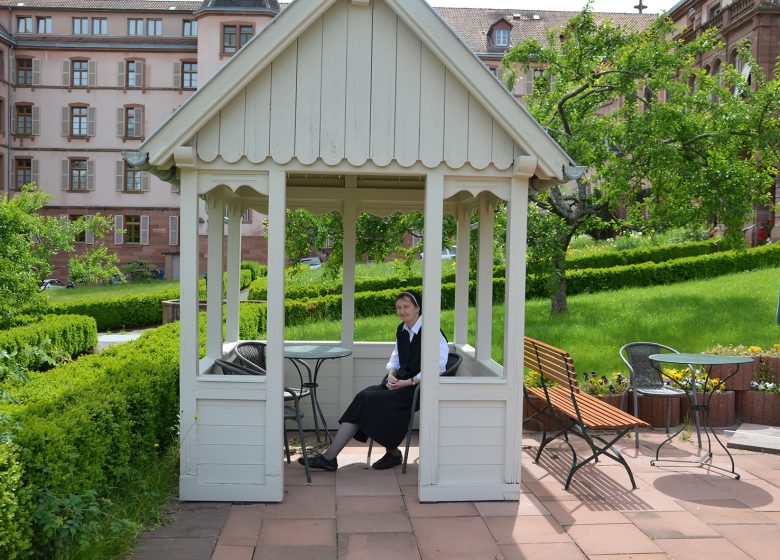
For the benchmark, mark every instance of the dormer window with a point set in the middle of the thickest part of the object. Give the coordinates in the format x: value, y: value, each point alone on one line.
x: 501, y: 37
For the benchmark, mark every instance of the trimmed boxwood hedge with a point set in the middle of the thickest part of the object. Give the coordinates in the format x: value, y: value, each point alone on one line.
x: 74, y: 334
x: 258, y: 270
x: 645, y: 254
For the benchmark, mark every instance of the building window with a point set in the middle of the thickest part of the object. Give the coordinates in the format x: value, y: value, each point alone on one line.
x: 80, y: 26
x: 24, y: 71
x: 24, y: 120
x: 501, y: 37
x: 82, y: 236
x: 153, y: 27
x: 133, y: 179
x: 133, y: 122
x: 135, y: 26
x: 78, y: 175
x: 134, y: 73
x: 43, y: 24
x: 79, y: 73
x: 245, y: 33
x: 246, y: 217
x: 2, y: 118
x: 133, y: 229
x: 24, y: 24
x: 100, y: 26
x: 190, y: 28
x: 22, y: 172
x: 229, y: 39
x: 189, y: 75
x: 78, y: 121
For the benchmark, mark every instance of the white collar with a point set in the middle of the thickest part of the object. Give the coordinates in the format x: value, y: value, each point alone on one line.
x: 416, y: 327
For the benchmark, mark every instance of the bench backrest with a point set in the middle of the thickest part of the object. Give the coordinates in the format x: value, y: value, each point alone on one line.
x: 551, y: 363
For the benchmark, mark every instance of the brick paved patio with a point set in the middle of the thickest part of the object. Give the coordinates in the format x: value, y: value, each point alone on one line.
x: 358, y: 513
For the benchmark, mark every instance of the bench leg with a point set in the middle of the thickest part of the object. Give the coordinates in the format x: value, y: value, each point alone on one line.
x: 605, y: 450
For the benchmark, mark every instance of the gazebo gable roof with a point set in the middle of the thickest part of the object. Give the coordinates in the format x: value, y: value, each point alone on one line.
x: 459, y: 100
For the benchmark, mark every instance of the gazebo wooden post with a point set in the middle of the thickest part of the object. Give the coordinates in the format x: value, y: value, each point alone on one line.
x: 484, y: 303
x: 462, y: 276
x: 349, y: 243
x: 233, y: 270
x: 216, y: 233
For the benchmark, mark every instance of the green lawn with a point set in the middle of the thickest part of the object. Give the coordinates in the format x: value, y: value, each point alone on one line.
x: 690, y: 316
x: 114, y: 290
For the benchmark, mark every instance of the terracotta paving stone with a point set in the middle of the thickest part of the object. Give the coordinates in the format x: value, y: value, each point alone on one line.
x: 589, y: 513
x: 759, y: 495
x: 759, y: 541
x: 441, y: 509
x: 194, y: 523
x: 378, y: 546
x: 304, y: 502
x: 547, y: 551
x: 526, y: 529
x: 242, y: 526
x: 726, y: 512
x: 455, y: 538
x: 295, y: 475
x: 195, y: 548
x: 371, y: 514
x: 233, y: 553
x: 658, y: 556
x: 696, y: 549
x: 627, y: 540
x: 670, y: 524
x: 684, y: 486
x: 296, y: 539
x: 356, y: 480
x: 528, y: 504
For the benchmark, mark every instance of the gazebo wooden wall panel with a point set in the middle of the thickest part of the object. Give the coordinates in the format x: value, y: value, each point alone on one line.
x: 393, y: 101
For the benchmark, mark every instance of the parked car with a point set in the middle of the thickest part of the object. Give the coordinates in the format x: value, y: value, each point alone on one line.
x: 54, y: 284
x: 312, y: 262
x: 447, y: 253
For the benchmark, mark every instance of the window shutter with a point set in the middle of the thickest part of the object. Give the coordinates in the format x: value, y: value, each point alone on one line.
x: 140, y: 72
x: 91, y: 121
x: 120, y: 77
x: 120, y: 122
x: 529, y: 81
x: 139, y: 123
x: 90, y: 175
x: 34, y: 173
x: 12, y: 70
x: 36, y: 73
x: 66, y: 73
x: 2, y: 172
x: 36, y: 121
x: 65, y: 172
x: 144, y: 230
x: 89, y: 236
x: 92, y: 73
x: 66, y: 121
x: 119, y: 226
x: 177, y: 75
x: 120, y: 176
x: 173, y: 230
x: 144, y: 181
x: 13, y: 121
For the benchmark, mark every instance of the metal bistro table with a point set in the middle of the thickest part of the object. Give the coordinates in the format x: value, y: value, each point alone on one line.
x: 299, y: 355
x: 707, y: 361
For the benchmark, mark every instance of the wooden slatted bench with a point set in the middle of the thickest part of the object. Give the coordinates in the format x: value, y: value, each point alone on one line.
x: 581, y: 412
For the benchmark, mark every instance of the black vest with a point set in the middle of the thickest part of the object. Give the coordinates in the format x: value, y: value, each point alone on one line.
x: 409, y: 353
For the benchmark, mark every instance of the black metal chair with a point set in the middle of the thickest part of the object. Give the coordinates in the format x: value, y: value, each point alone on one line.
x: 453, y: 363
x: 291, y: 411
x: 646, y: 379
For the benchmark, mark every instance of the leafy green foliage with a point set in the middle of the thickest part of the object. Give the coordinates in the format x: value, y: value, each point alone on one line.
x: 49, y: 341
x: 256, y: 269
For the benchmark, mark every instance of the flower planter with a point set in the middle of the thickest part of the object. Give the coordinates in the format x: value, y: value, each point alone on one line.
x: 652, y: 410
x: 722, y: 408
x: 741, y: 381
x: 613, y: 399
x: 759, y: 407
x: 171, y: 311
x: 774, y: 365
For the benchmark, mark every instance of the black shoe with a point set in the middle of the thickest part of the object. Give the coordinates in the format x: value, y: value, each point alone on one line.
x: 319, y: 461
x: 388, y: 460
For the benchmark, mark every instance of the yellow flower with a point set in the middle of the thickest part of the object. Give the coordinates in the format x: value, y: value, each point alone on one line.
x: 157, y: 445
x: 755, y: 349
x: 776, y: 348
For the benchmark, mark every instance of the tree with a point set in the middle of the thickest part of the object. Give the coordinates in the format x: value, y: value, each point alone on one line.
x: 655, y: 132
x: 28, y: 240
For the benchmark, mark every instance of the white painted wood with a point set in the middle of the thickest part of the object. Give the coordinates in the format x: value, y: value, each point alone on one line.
x: 480, y: 134
x: 462, y: 276
x: 234, y: 271
x: 231, y: 454
x: 407, y: 95
x: 358, y: 103
x: 465, y: 454
x: 456, y: 122
x: 484, y: 303
x: 472, y: 436
x: 237, y: 435
x: 208, y: 140
x: 216, y: 228
x: 431, y: 109
x: 349, y: 240
x: 258, y: 115
x: 334, y: 83
x: 230, y: 412
x: 469, y: 493
x: 429, y: 410
x: 231, y: 128
x: 275, y: 312
x: 470, y: 474
x: 283, y: 98
x: 238, y: 475
x: 473, y: 413
x: 503, y: 147
x: 383, y: 76
x: 309, y: 81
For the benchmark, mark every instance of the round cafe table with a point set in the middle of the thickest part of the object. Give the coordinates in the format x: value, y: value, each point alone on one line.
x: 706, y: 361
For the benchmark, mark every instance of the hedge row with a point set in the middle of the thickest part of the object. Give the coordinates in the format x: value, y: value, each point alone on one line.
x: 641, y: 255
x: 258, y: 270
x: 73, y: 334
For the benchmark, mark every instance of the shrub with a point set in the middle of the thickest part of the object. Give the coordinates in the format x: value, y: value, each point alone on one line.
x: 69, y: 334
x: 258, y: 270
x: 14, y: 504
x: 640, y: 255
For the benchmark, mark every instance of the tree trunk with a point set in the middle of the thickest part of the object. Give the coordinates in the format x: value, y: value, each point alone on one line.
x: 558, y: 299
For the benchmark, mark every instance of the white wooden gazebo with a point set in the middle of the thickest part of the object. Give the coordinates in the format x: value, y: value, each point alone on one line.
x: 352, y: 105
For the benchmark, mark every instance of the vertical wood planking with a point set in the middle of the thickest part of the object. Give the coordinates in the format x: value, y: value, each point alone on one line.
x: 431, y: 109
x: 503, y: 147
x: 208, y: 140
x: 334, y: 83
x: 456, y: 122
x: 358, y: 104
x: 383, y: 77
x: 407, y: 95
x: 258, y: 117
x: 283, y: 94
x: 462, y: 278
x: 307, y: 111
x: 232, y: 308
x: 214, y: 266
x: 480, y: 134
x: 231, y: 128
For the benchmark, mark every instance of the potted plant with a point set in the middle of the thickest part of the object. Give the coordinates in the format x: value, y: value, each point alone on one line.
x: 710, y: 391
x: 761, y: 405
x: 531, y: 404
x: 745, y: 374
x: 600, y: 386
